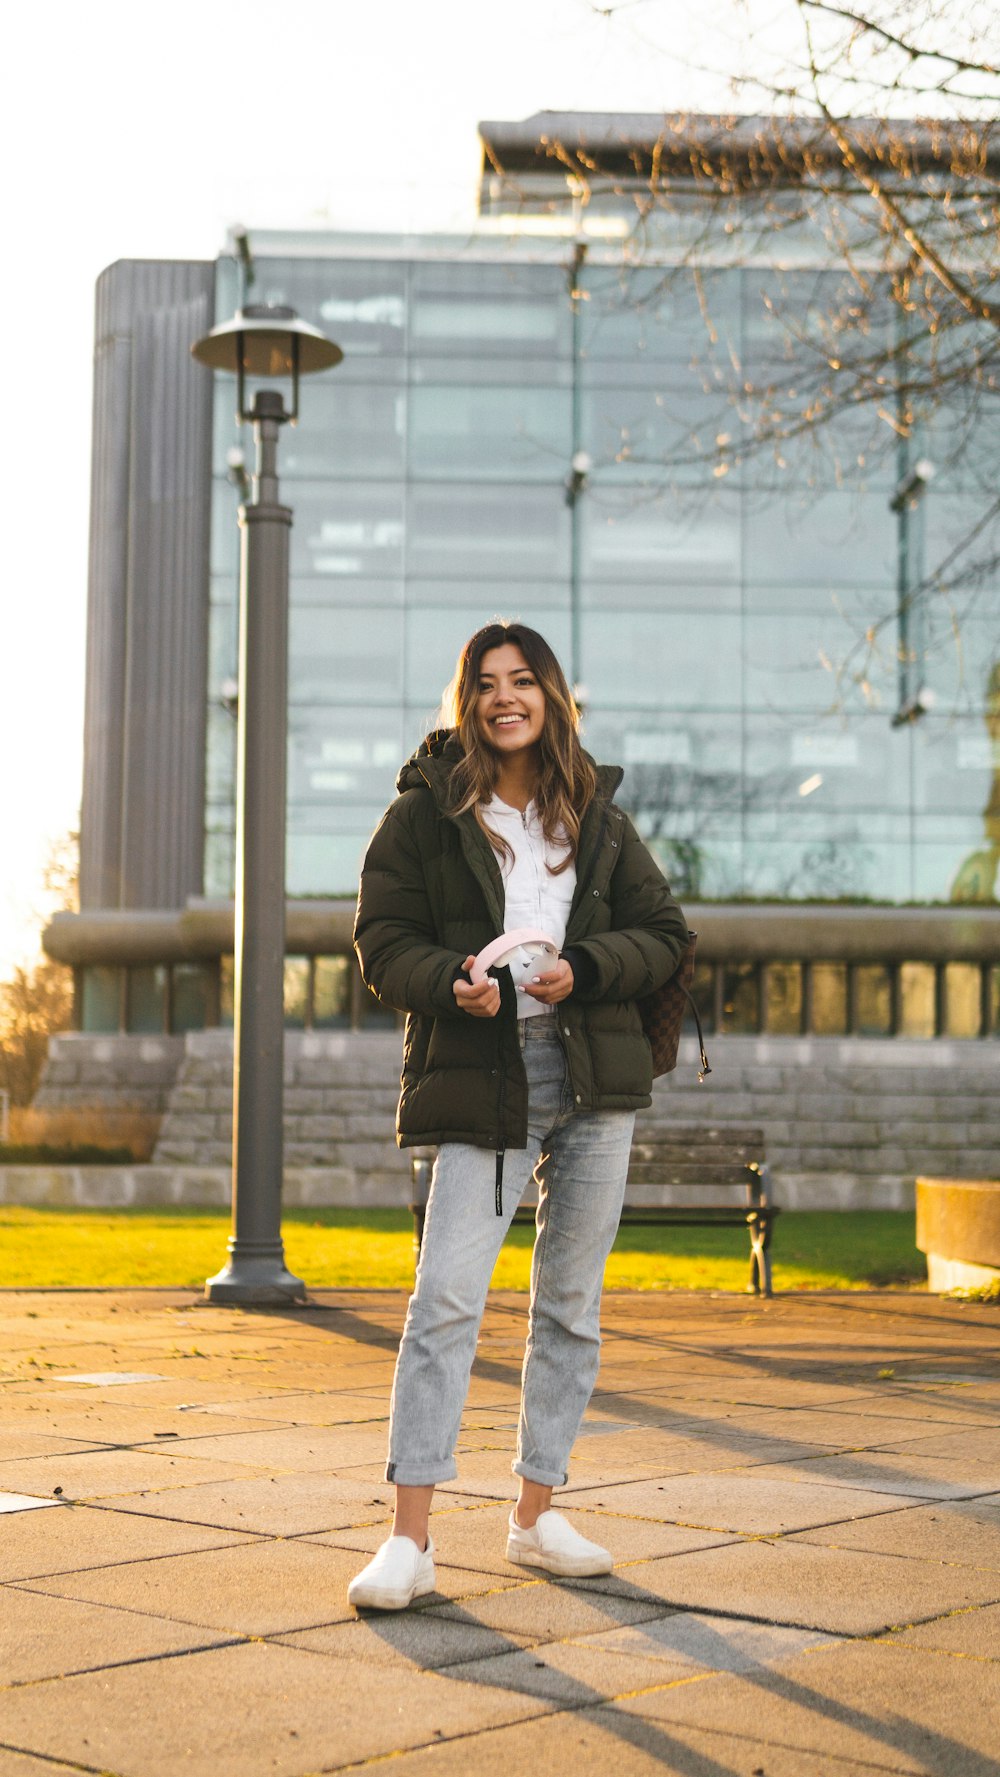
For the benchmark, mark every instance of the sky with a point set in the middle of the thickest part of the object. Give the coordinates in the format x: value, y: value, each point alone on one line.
x: 147, y: 131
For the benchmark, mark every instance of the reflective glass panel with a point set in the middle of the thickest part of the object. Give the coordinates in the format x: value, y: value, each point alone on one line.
x: 659, y: 314
x: 825, y: 540
x: 296, y: 992
x: 670, y: 537
x: 348, y: 529
x: 691, y: 664
x: 783, y: 999
x: 346, y: 431
x: 963, y: 991
x: 917, y: 1000
x: 467, y: 532
x: 343, y: 756
x: 829, y: 999
x: 146, y: 1000
x: 101, y: 999
x: 490, y: 434
x: 344, y: 655
x: 741, y: 998
x: 331, y: 993
x: 495, y: 310
x: 873, y: 1000
x: 192, y: 993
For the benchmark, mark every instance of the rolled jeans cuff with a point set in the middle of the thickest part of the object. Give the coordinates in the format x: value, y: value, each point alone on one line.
x: 402, y: 1474
x: 543, y: 1477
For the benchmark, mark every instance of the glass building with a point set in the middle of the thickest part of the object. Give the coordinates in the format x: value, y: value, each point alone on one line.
x: 546, y: 418
x: 714, y: 625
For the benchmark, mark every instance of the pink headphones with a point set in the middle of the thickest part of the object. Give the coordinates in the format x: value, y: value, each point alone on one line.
x: 521, y: 951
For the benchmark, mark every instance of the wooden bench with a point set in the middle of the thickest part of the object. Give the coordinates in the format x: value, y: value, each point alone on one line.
x: 685, y: 1177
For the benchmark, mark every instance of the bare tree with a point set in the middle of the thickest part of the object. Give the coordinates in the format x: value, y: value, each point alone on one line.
x: 37, y: 1000
x: 871, y: 170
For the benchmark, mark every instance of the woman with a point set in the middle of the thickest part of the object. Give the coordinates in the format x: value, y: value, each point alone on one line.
x: 503, y: 822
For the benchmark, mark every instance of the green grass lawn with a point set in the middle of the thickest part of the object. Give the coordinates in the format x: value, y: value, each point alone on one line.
x: 373, y: 1249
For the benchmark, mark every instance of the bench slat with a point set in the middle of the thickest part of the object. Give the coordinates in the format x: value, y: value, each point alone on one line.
x: 690, y: 1175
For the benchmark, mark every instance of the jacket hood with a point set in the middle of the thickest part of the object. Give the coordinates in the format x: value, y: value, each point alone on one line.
x: 430, y: 766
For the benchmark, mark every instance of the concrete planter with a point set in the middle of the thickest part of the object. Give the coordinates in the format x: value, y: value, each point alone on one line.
x: 958, y: 1227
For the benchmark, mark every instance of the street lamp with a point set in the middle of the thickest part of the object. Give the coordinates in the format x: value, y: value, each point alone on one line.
x: 261, y: 342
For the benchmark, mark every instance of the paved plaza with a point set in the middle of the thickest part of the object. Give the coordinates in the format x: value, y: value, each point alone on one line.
x: 802, y: 1495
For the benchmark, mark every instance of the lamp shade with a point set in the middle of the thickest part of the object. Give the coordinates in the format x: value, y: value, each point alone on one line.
x: 266, y: 340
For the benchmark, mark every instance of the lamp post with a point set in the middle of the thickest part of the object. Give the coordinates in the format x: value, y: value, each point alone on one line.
x: 261, y: 342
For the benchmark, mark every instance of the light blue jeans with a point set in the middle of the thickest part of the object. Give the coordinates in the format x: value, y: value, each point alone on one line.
x: 579, y: 1160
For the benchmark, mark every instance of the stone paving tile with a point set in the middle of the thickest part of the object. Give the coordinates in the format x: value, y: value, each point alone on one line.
x: 839, y: 1590
x: 102, y: 1473
x: 907, y: 1471
x: 899, y: 1709
x: 546, y: 1610
x: 961, y: 1531
x: 933, y: 1406
x: 604, y: 1666
x: 95, y: 1423
x: 699, y: 1640
x: 150, y: 1720
x: 21, y: 1445
x: 23, y: 1764
x: 423, y: 1639
x: 35, y: 1544
x: 49, y: 1637
x: 168, y: 1394
x: 746, y: 1503
x: 271, y: 1505
x: 721, y: 1394
x: 476, y: 1537
x: 317, y: 1408
x: 644, y: 1454
x: 975, y: 1633
x: 297, y: 1447
x: 807, y: 1426
x: 255, y: 1588
x: 592, y: 1742
x: 258, y: 1588
x: 976, y: 1443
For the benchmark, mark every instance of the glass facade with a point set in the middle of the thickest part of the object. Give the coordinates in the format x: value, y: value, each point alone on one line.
x: 715, y: 625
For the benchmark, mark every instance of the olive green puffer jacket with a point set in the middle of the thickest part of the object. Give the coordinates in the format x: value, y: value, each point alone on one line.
x: 432, y: 894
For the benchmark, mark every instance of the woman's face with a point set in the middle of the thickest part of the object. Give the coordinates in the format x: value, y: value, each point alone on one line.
x: 510, y: 709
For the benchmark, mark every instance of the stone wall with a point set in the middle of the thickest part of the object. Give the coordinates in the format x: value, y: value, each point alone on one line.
x: 848, y: 1122
x: 115, y: 1073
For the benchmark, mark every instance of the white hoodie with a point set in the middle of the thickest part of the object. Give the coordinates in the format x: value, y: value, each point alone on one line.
x: 532, y: 895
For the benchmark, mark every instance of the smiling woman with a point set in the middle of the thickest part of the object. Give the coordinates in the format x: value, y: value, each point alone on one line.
x: 504, y: 827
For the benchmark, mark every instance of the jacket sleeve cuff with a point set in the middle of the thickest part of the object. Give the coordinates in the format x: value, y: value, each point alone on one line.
x: 584, y: 969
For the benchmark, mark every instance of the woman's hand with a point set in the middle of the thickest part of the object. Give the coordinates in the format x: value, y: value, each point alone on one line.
x: 481, y: 1001
x: 554, y: 986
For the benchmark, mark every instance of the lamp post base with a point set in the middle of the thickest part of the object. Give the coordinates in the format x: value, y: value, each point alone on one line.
x: 257, y: 1280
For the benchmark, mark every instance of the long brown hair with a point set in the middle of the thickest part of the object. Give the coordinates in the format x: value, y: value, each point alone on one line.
x: 566, y: 781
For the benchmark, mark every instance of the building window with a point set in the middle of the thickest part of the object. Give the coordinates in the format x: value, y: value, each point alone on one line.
x: 828, y: 1010
x: 101, y: 1000
x: 192, y: 997
x: 331, y: 993
x: 146, y: 1000
x: 872, y: 1000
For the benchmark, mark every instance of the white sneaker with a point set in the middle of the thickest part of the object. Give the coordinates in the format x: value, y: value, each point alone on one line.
x: 397, y: 1574
x: 552, y: 1543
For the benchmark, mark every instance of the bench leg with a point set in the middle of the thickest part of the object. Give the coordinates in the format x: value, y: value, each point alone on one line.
x: 419, y: 1214
x: 760, y: 1256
